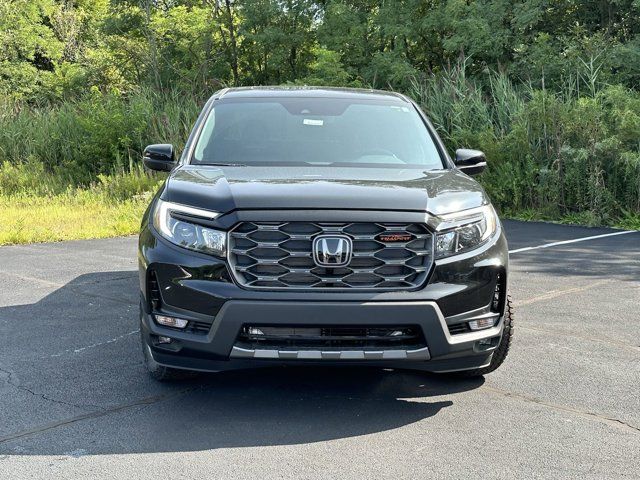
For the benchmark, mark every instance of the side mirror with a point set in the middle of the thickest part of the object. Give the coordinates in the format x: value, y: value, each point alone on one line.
x: 160, y: 157
x: 471, y: 162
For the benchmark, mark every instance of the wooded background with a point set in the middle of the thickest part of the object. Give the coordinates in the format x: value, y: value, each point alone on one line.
x: 549, y: 89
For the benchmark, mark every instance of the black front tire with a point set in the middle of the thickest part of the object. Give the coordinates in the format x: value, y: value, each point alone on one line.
x: 500, y: 353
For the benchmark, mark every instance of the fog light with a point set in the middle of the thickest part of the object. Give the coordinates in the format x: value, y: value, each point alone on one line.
x: 481, y: 323
x: 171, y: 321
x: 164, y: 340
x: 255, y: 331
x: 396, y: 333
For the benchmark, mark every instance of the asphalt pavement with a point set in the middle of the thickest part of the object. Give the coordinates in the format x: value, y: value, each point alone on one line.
x: 75, y: 401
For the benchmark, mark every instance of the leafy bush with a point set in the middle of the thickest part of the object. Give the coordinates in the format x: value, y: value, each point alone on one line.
x: 574, y: 153
x: 129, y: 184
x: 561, y: 154
x: 96, y: 134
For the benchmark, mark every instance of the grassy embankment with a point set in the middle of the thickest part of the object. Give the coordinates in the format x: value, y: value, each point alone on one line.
x: 110, y: 207
x: 72, y: 170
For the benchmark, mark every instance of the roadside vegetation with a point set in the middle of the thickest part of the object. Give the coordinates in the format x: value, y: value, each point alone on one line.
x: 37, y: 206
x: 550, y: 91
x: 570, y: 155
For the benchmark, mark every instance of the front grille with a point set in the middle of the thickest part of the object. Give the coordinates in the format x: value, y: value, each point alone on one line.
x: 279, y: 255
x: 330, y: 337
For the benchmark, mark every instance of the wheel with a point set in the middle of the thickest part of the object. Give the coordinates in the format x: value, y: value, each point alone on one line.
x: 501, y: 352
x: 160, y: 372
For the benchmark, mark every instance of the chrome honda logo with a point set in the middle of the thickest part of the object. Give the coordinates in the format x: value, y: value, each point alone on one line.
x: 332, y: 250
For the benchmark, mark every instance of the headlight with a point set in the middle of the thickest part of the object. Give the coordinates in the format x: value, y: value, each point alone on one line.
x: 172, y: 221
x: 464, y: 231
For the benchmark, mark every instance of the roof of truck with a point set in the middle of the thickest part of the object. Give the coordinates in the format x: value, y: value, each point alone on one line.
x: 308, y: 92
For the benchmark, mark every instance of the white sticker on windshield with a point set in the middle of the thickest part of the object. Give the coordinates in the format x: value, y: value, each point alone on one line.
x: 309, y: 121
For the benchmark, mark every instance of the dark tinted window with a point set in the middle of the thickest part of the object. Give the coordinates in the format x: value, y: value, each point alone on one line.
x: 316, y: 131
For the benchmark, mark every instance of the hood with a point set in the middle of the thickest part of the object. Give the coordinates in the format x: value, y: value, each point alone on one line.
x: 224, y: 189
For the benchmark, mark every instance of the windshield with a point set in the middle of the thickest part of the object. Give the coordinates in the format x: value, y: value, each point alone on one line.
x: 315, y: 131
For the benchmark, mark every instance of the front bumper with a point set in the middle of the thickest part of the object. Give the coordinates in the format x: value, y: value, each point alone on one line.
x: 199, y: 288
x: 218, y: 350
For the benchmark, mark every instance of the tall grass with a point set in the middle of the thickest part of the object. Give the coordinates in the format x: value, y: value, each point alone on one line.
x: 574, y: 153
x: 571, y: 154
x: 36, y: 205
x: 97, y: 134
x: 73, y: 170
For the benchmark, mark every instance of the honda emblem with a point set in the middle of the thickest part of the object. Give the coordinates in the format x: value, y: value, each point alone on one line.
x: 332, y: 250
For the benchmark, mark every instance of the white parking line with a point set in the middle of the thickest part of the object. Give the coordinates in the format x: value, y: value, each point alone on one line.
x: 576, y: 240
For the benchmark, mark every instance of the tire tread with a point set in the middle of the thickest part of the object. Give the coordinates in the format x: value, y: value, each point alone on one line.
x: 500, y: 353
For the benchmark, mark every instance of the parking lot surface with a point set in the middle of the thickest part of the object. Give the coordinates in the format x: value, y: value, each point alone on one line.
x: 75, y: 401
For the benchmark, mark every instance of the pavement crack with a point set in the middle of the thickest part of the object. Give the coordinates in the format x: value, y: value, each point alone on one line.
x: 129, y: 276
x: 558, y: 293
x: 563, y: 408
x: 93, y: 345
x: 103, y: 412
x: 10, y: 381
x: 100, y: 296
x: 607, y: 341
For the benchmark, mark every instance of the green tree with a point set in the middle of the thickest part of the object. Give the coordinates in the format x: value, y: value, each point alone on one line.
x: 29, y: 48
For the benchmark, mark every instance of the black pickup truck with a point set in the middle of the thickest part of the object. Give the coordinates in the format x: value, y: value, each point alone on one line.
x: 320, y: 226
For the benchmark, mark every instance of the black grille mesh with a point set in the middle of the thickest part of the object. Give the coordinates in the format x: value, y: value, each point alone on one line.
x: 279, y: 255
x: 331, y: 337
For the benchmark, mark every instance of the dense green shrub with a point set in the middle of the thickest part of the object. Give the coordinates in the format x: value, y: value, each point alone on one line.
x: 96, y: 134
x: 574, y: 153
x: 555, y: 153
x: 85, y: 85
